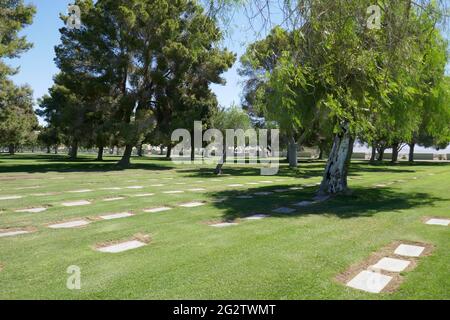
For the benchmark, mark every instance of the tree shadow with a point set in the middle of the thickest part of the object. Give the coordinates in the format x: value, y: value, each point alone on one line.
x: 60, y: 163
x: 363, y: 202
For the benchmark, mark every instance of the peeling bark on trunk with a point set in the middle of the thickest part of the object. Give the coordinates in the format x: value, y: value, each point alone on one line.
x: 125, y: 161
x: 335, y: 176
x: 412, y: 146
x: 292, y: 153
x: 100, y: 154
x: 218, y: 170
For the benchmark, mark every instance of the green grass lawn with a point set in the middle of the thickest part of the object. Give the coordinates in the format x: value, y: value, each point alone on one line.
x: 294, y: 256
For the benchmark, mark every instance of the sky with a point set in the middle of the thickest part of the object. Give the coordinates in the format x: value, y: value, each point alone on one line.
x: 37, y: 67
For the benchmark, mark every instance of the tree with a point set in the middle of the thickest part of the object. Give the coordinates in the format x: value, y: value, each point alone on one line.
x: 14, y: 16
x: 153, y: 56
x: 232, y: 118
x: 49, y: 137
x: 361, y: 70
x: 277, y: 87
x: 17, y: 118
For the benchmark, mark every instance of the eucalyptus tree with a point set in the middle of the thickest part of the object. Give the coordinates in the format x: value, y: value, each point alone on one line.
x: 360, y: 69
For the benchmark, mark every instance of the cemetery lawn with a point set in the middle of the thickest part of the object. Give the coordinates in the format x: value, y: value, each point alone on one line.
x: 285, y: 256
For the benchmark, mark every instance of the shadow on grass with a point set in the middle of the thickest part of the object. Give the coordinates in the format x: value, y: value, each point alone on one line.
x: 363, y: 202
x: 61, y: 163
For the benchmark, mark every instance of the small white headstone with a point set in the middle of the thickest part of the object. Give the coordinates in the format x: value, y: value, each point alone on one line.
x: 12, y: 233
x: 244, y: 197
x: 141, y: 195
x: 155, y: 210
x: 81, y: 191
x: 76, y: 203
x: 409, y: 251
x: 113, y: 199
x: 235, y: 185
x: 10, y: 197
x: 257, y: 217
x: 392, y: 265
x: 157, y: 185
x: 370, y: 281
x: 197, y: 189
x: 45, y: 194
x: 438, y: 222
x: 192, y: 204
x: 116, y: 216
x: 70, y: 224
x: 263, y: 193
x: 284, y: 210
x: 135, y: 187
x: 33, y: 210
x: 121, y: 247
x: 304, y: 204
x: 173, y: 192
x: 224, y: 224
x: 252, y: 183
x: 296, y: 188
x: 112, y: 188
x: 281, y: 190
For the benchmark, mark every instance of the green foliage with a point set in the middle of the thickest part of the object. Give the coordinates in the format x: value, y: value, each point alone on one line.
x: 150, y: 62
x: 17, y: 118
x: 231, y: 118
x: 14, y: 16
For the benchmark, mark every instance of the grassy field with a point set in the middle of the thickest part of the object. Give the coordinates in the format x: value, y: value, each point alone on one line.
x: 292, y: 256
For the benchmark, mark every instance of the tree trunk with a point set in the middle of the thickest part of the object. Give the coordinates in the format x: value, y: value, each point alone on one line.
x: 412, y: 146
x: 73, y: 153
x: 169, y: 151
x: 125, y: 161
x: 48, y: 149
x: 374, y: 154
x: 100, y: 154
x: 140, y: 151
x: 335, y: 176
x: 161, y: 150
x: 56, y: 149
x: 219, y: 166
x: 321, y: 153
x: 292, y: 153
x: 192, y: 149
x: 12, y: 149
x: 381, y: 153
x: 395, y: 148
